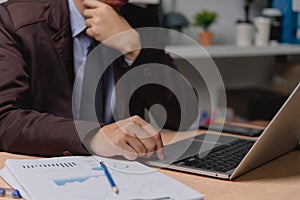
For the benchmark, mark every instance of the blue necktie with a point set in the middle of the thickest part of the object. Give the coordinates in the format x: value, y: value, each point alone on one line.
x: 103, y: 96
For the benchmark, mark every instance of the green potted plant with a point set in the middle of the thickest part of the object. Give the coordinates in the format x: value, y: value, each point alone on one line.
x: 205, y: 19
x: 175, y: 21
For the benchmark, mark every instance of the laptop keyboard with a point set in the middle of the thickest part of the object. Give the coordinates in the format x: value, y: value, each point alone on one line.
x: 222, y: 158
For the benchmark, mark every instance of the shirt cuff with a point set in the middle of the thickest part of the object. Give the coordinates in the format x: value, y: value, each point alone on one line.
x: 128, y: 62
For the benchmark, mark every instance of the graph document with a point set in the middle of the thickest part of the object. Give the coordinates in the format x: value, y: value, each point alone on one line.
x: 82, y: 178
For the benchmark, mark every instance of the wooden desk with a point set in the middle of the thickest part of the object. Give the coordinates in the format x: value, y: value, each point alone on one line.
x: 279, y: 179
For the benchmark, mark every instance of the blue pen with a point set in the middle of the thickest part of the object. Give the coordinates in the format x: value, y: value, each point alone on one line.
x: 108, y: 175
x: 13, y: 192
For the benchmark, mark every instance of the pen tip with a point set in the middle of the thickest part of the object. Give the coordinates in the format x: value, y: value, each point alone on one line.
x: 116, y: 190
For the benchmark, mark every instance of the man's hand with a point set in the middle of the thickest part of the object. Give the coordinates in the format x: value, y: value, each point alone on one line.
x: 103, y: 23
x: 131, y: 138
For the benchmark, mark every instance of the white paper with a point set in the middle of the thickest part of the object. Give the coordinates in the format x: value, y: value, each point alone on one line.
x: 82, y: 178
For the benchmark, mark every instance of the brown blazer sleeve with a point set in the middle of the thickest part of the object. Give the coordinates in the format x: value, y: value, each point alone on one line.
x: 23, y: 129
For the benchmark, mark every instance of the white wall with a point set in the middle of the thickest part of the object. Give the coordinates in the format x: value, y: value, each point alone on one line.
x: 229, y: 12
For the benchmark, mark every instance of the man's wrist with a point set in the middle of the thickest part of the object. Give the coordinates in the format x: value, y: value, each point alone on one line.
x: 87, y: 139
x: 131, y: 56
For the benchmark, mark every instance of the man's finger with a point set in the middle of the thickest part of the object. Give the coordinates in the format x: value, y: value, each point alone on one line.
x: 145, y: 125
x: 160, y: 153
x: 152, y: 132
x: 159, y: 146
x: 136, y: 144
x: 93, y: 3
x: 128, y: 152
x: 88, y: 13
x: 89, y: 32
x: 134, y: 130
x: 88, y: 22
x: 138, y: 120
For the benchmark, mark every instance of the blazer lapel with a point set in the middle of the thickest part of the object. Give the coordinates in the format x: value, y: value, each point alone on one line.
x: 58, y: 20
x: 63, y: 44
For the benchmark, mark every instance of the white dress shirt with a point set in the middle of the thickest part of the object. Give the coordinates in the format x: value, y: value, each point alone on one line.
x: 81, y: 42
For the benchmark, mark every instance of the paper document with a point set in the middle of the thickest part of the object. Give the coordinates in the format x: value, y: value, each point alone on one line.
x: 82, y: 178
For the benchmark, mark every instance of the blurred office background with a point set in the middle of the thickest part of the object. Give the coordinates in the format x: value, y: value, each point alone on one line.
x: 258, y: 79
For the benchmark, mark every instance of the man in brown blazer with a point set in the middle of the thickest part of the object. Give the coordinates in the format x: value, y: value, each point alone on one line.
x: 37, y: 76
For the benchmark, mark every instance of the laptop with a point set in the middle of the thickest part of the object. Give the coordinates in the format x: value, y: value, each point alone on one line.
x: 228, y: 157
